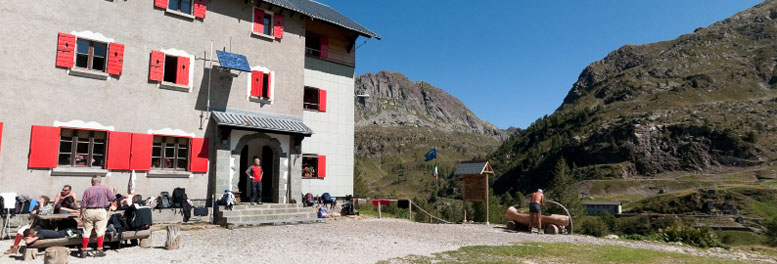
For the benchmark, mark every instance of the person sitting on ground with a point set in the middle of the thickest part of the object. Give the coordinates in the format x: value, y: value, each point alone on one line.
x: 65, y: 201
x: 43, y: 208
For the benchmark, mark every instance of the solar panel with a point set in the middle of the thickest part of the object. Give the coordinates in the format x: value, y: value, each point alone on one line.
x: 233, y: 61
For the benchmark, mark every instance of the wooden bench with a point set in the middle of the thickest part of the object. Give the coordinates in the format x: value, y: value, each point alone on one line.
x: 32, y: 250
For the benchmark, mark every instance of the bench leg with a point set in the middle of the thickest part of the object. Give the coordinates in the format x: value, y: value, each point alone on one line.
x: 30, y: 254
x: 146, y: 242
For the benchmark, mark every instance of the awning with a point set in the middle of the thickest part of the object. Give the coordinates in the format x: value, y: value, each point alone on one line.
x: 261, y: 122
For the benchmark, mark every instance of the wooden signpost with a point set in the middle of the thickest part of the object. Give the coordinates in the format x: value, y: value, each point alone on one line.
x: 474, y: 176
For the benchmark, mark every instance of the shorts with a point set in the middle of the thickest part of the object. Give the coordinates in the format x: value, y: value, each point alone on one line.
x: 535, y: 208
x: 96, y: 219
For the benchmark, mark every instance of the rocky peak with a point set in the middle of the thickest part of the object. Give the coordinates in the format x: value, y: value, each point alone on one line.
x: 396, y: 100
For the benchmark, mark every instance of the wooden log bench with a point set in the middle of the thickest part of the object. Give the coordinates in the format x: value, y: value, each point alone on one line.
x: 32, y: 250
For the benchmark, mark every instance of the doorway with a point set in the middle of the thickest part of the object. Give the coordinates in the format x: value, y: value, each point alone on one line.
x: 267, y: 177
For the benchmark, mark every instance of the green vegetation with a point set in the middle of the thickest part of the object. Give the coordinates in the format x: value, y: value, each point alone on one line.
x: 771, y: 231
x: 698, y: 237
x: 556, y: 253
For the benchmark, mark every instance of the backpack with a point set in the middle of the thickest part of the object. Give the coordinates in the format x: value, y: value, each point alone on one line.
x: 322, y: 213
x: 227, y: 200
x: 139, y: 218
x: 164, y: 200
x: 326, y: 197
x: 179, y: 197
x: 348, y: 208
x: 117, y: 224
x: 201, y: 211
x: 22, y: 205
x: 309, y: 199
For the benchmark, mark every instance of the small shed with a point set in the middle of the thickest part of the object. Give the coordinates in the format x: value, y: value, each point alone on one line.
x: 474, y: 177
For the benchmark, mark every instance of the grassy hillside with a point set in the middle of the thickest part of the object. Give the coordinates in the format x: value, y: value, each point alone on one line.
x: 390, y: 160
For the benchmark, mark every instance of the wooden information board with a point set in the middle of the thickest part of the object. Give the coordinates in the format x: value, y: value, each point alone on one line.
x: 475, y: 187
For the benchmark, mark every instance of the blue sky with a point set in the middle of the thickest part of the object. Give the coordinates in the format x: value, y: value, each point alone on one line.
x: 510, y: 61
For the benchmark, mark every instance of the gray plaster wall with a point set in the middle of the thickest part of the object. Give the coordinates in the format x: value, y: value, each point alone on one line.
x: 35, y: 92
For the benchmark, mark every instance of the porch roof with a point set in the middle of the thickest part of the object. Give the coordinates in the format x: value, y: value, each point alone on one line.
x: 260, y: 121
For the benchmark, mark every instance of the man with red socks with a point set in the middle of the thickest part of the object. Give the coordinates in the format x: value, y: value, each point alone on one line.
x: 94, y: 214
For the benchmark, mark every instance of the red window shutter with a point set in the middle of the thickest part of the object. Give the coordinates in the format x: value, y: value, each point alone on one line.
x: 322, y: 100
x: 115, y: 58
x: 161, y: 3
x: 269, y: 84
x: 118, y: 150
x: 257, y: 79
x: 1, y: 135
x: 258, y: 20
x: 200, y: 6
x: 140, y: 152
x: 324, y: 47
x: 321, y: 166
x: 44, y: 147
x: 157, y: 66
x: 277, y: 29
x: 66, y: 47
x: 182, y: 77
x: 199, y: 155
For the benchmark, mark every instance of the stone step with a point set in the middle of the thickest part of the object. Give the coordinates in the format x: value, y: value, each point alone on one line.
x: 264, y: 211
x: 258, y: 218
x: 263, y: 206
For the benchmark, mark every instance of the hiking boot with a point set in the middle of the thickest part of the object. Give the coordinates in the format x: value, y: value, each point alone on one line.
x: 99, y: 254
x: 12, y: 250
x: 82, y: 253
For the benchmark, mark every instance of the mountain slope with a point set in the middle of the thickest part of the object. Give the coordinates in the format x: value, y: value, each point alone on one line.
x: 703, y: 102
x: 404, y: 119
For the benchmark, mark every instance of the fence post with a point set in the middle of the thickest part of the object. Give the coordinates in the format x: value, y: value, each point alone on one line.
x: 410, y: 209
x: 379, y: 215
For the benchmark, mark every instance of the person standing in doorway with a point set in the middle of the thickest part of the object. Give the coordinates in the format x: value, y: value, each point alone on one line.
x: 255, y: 173
x: 535, y: 210
x: 94, y: 214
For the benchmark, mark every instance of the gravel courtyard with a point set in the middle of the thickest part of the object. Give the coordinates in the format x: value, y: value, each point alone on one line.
x: 344, y: 241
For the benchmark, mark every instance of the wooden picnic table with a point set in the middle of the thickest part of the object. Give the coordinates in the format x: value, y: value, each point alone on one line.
x: 56, y: 217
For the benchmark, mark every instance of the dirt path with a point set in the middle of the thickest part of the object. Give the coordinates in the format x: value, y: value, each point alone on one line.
x: 345, y: 241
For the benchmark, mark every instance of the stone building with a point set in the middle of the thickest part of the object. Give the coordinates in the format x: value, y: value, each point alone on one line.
x: 108, y: 87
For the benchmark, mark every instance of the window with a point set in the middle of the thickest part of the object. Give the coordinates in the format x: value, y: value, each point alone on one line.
x: 91, y: 54
x: 263, y: 22
x: 311, y: 98
x: 266, y: 84
x: 171, y: 68
x: 170, y: 153
x: 183, y: 6
x: 312, y: 44
x: 82, y: 148
x: 310, y: 166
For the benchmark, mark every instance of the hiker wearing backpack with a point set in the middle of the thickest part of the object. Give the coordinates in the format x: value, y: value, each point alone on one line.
x: 255, y: 173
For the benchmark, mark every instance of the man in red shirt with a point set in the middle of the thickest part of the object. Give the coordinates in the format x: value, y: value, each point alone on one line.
x: 255, y: 173
x: 94, y: 214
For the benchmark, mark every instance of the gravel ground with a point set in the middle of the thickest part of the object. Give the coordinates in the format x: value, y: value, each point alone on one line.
x: 348, y: 241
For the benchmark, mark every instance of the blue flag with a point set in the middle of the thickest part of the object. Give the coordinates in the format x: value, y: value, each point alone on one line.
x: 432, y: 154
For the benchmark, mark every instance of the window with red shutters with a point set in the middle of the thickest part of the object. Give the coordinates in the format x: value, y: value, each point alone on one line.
x: 44, y: 142
x: 200, y: 7
x: 257, y: 80
x: 321, y: 166
x: 170, y: 153
x: 66, y: 46
x: 262, y: 23
x: 182, y: 77
x: 267, y: 84
x: 310, y: 98
x: 156, y: 66
x: 277, y: 26
x: 324, y: 47
x: 82, y: 148
x: 140, y: 151
x: 322, y: 100
x: 310, y: 166
x: 115, y: 58
x: 119, y: 144
x: 199, y: 155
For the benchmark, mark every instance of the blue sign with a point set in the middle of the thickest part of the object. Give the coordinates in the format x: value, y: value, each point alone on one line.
x: 233, y: 61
